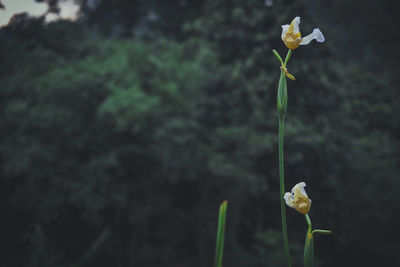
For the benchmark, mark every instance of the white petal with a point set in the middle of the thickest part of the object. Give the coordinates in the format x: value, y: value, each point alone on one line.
x: 315, y: 35
x: 303, y: 191
x: 284, y: 30
x: 296, y: 23
x: 320, y: 36
x: 300, y: 186
x: 289, y: 199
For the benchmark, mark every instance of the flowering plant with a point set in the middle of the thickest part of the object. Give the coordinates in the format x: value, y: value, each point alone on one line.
x: 297, y: 198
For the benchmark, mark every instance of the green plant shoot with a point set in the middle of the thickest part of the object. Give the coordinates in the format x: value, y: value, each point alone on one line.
x: 297, y: 198
x: 220, y: 234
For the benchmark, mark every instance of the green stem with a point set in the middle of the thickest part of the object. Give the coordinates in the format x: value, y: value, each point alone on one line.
x: 282, y: 188
x: 289, y: 54
x: 308, y: 220
x: 319, y: 231
x: 309, y: 245
x: 281, y: 107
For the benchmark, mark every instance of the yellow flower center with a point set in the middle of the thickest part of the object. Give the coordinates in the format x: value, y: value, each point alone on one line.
x: 292, y: 40
x: 301, y: 203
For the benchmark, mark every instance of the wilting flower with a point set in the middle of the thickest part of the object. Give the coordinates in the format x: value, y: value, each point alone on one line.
x: 291, y: 35
x: 298, y: 198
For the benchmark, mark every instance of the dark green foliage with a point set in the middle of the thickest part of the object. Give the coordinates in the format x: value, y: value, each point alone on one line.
x: 116, y: 151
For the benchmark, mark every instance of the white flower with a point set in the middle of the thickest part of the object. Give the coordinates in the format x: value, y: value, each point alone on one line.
x: 298, y: 198
x: 291, y: 35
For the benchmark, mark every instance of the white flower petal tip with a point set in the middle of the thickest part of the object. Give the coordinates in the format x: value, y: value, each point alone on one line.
x: 298, y: 198
x: 320, y: 37
x: 296, y: 23
x: 300, y: 186
x: 291, y: 35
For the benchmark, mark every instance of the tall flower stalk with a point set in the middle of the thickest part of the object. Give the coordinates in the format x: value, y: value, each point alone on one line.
x: 291, y: 37
x: 281, y: 109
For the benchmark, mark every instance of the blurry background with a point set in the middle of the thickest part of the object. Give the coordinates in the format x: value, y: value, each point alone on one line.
x: 125, y: 123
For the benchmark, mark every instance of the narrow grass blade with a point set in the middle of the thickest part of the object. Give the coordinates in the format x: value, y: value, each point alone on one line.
x: 220, y: 234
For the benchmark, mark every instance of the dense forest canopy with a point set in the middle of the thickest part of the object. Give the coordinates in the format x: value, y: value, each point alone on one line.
x: 122, y: 132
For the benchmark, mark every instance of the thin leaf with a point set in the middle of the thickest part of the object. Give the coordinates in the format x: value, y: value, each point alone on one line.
x: 277, y: 56
x: 220, y: 234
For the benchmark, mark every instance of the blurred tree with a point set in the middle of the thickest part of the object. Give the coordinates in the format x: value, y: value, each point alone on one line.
x: 117, y: 151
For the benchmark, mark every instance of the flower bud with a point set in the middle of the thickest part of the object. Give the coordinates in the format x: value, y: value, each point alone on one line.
x: 298, y: 199
x: 282, y: 94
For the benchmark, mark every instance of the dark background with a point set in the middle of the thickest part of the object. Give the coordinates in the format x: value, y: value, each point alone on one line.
x: 122, y: 132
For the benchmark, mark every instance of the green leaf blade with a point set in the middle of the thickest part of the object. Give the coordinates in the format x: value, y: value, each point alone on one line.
x: 220, y: 234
